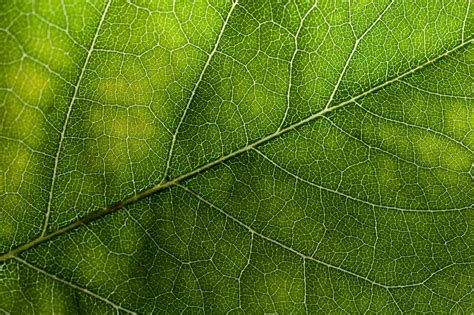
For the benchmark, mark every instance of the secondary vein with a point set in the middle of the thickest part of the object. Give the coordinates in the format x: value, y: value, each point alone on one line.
x: 193, y: 93
x: 311, y: 258
x: 74, y: 286
x: 162, y: 186
x: 68, y: 115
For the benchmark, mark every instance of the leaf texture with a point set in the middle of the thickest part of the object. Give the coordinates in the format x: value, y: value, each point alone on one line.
x: 236, y: 157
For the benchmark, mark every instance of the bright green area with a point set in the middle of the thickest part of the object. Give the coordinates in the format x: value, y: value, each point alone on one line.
x: 341, y: 138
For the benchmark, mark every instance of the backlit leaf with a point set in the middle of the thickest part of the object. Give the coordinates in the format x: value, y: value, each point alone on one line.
x: 219, y: 157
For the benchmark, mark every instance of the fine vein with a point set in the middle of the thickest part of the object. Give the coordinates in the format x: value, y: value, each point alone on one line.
x: 354, y: 49
x: 196, y: 86
x: 73, y: 285
x: 68, y: 114
x: 374, y: 205
x: 159, y: 187
x: 292, y: 61
x: 311, y: 258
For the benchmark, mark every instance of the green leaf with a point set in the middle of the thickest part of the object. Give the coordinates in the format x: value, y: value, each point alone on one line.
x: 222, y: 157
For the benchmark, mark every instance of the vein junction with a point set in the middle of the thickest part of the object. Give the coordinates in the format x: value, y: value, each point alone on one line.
x: 162, y: 186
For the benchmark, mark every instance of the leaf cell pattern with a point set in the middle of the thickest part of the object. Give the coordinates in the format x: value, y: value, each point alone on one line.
x: 229, y: 157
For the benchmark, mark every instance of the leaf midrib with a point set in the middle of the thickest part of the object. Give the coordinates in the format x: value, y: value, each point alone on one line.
x: 162, y: 186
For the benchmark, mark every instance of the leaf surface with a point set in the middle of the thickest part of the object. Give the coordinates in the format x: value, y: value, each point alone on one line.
x: 236, y: 157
